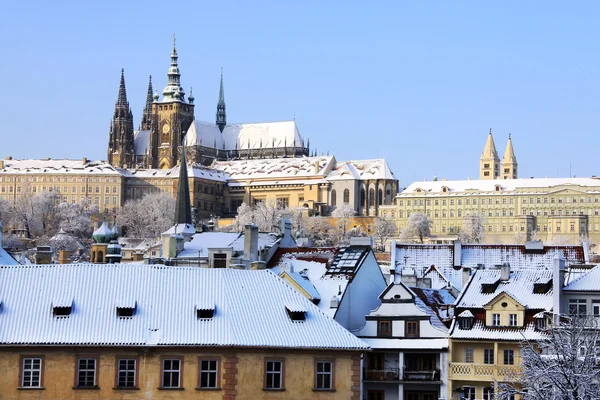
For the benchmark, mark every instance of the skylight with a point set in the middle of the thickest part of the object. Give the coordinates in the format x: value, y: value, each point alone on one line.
x: 205, y: 311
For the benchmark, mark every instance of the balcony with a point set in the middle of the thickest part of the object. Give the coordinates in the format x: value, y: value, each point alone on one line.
x: 393, y: 374
x: 482, y: 372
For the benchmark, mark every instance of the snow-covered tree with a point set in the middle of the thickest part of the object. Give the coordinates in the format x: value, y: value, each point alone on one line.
x: 75, y: 219
x: 34, y: 212
x: 147, y: 217
x: 267, y: 215
x: 342, y: 214
x: 320, y: 233
x: 418, y: 226
x: 5, y: 214
x: 564, y: 366
x: 473, y: 230
x: 384, y: 230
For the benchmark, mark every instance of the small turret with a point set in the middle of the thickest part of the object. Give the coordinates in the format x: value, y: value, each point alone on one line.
x: 221, y: 120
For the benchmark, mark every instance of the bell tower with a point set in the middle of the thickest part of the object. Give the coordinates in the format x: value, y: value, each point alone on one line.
x: 120, y: 142
x: 174, y: 116
x: 509, y: 162
x: 489, y: 163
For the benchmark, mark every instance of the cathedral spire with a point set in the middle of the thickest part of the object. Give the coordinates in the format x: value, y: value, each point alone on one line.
x: 183, y: 206
x: 221, y: 113
x: 173, y: 91
x: 122, y: 98
x: 509, y: 161
x: 489, y: 163
x: 120, y: 142
x: 147, y: 114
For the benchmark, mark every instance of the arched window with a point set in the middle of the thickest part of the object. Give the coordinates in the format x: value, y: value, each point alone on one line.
x: 333, y: 198
x: 380, y: 197
x: 362, y: 197
x: 346, y: 196
x: 372, y: 197
x: 388, y: 194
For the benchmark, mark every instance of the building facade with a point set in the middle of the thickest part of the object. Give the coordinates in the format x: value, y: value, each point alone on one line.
x: 554, y: 210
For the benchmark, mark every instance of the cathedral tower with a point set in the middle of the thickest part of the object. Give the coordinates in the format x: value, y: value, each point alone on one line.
x: 120, y: 142
x: 509, y: 162
x: 221, y: 114
x: 489, y: 163
x: 147, y: 114
x: 173, y: 118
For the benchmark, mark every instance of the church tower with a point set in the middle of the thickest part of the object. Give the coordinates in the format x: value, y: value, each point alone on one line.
x: 509, y: 162
x: 174, y: 116
x: 147, y: 114
x: 120, y: 142
x: 221, y: 114
x: 489, y: 163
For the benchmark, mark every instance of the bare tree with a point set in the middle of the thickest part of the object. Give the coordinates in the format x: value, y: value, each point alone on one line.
x: 342, y: 214
x: 419, y: 226
x: 147, y: 217
x: 563, y: 366
x: 320, y: 233
x: 34, y: 213
x: 473, y: 230
x: 76, y: 219
x: 384, y: 230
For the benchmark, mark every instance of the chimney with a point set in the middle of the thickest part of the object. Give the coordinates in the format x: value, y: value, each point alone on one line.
x: 84, y: 160
x: 558, y: 282
x: 1, y: 164
x: 64, y: 257
x: 251, y: 243
x: 393, y: 254
x: 334, y: 303
x: 505, y: 272
x: 466, y: 274
x: 392, y: 275
x: 257, y: 265
x: 457, y: 254
x: 317, y: 167
x: 286, y: 267
x: 43, y: 255
x: 398, y: 278
x: 285, y: 226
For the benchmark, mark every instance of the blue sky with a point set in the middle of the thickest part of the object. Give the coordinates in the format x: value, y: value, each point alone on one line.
x: 419, y: 83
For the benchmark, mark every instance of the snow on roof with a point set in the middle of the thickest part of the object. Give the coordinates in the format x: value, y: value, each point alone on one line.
x: 519, y: 286
x: 249, y: 308
x: 304, y: 282
x: 141, y: 142
x: 437, y: 303
x: 274, y: 168
x: 505, y: 184
x: 466, y: 314
x: 480, y: 331
x: 60, y: 166
x: 589, y: 282
x: 195, y: 170
x: 407, y: 344
x: 201, y: 242
x: 243, y: 136
x: 361, y: 169
x: 327, y: 286
x: 6, y: 259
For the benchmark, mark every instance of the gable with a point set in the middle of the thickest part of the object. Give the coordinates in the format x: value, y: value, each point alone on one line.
x: 503, y: 301
x: 397, y: 293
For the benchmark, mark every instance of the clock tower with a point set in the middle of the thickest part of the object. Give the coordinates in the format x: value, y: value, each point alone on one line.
x: 172, y: 117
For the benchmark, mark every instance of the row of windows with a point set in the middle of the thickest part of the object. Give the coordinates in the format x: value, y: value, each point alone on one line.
x: 487, y: 393
x: 503, y: 200
x: 411, y: 328
x: 580, y: 307
x: 488, y: 356
x: 65, y: 189
x: 56, y: 179
x: 498, y: 213
x: 127, y: 375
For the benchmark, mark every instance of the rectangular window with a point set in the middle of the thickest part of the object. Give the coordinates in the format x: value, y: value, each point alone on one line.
x: 171, y: 373
x: 86, y: 372
x: 324, y: 375
x: 512, y: 319
x: 577, y: 307
x: 596, y: 307
x: 509, y: 357
x: 412, y: 329
x: 31, y: 376
x: 488, y: 356
x: 488, y: 393
x: 209, y: 373
x: 469, y: 355
x: 495, y: 319
x: 274, y: 374
x: 469, y: 392
x: 126, y: 373
x: 384, y: 328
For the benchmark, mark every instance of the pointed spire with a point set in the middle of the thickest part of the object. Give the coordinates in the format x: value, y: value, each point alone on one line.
x: 509, y: 153
x: 122, y: 98
x: 221, y: 91
x: 221, y: 119
x: 489, y: 151
x: 147, y: 114
x: 183, y: 206
x: 173, y: 91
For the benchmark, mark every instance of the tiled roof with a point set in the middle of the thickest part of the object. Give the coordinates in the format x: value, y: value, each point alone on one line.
x: 519, y: 286
x: 589, y: 282
x: 480, y: 331
x: 250, y: 308
x: 277, y: 168
x: 60, y: 166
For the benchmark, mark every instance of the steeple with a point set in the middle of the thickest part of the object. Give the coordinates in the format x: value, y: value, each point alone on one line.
x: 173, y: 91
x: 489, y: 163
x: 509, y: 161
x: 120, y: 143
x: 221, y: 114
x: 147, y: 114
x: 183, y: 207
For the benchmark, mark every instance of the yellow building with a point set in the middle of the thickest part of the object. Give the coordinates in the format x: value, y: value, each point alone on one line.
x: 90, y: 331
x: 495, y: 312
x: 557, y: 210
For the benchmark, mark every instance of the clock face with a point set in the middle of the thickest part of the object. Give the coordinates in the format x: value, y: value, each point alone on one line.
x: 166, y: 128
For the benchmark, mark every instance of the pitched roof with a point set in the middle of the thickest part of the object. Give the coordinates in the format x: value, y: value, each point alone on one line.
x: 250, y: 308
x: 361, y: 169
x: 480, y: 331
x: 276, y: 168
x: 59, y: 166
x: 588, y: 282
x: 489, y: 151
x: 203, y: 241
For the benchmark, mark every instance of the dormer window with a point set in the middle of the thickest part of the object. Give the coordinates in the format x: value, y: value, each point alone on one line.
x: 540, y: 321
x: 466, y: 319
x: 62, y: 307
x: 205, y: 312
x: 61, y: 312
x: 296, y: 312
x: 126, y: 308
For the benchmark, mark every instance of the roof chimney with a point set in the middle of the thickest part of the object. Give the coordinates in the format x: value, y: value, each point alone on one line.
x: 84, y: 160
x: 251, y: 243
x: 466, y: 274
x: 558, y: 282
x: 1, y: 164
x: 505, y: 272
x: 9, y: 157
x: 334, y: 303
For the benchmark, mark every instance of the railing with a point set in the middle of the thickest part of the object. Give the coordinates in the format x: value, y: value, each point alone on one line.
x: 386, y: 374
x: 482, y: 371
x: 423, y: 375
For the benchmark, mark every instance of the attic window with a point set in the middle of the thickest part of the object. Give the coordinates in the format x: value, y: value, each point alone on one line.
x: 61, y: 312
x: 296, y: 312
x: 125, y: 312
x: 466, y: 319
x: 208, y: 313
x: 489, y: 287
x: 542, y: 287
x: 540, y: 321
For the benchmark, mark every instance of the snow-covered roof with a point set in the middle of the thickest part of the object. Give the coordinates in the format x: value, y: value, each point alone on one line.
x: 250, y: 308
x: 361, y: 169
x: 201, y: 242
x: 588, y: 282
x: 466, y: 314
x: 244, y: 136
x: 480, y: 331
x: 437, y: 303
x: 60, y: 166
x: 195, y: 171
x: 276, y: 168
x: 519, y: 286
x: 6, y: 259
x: 406, y: 344
x: 506, y: 185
